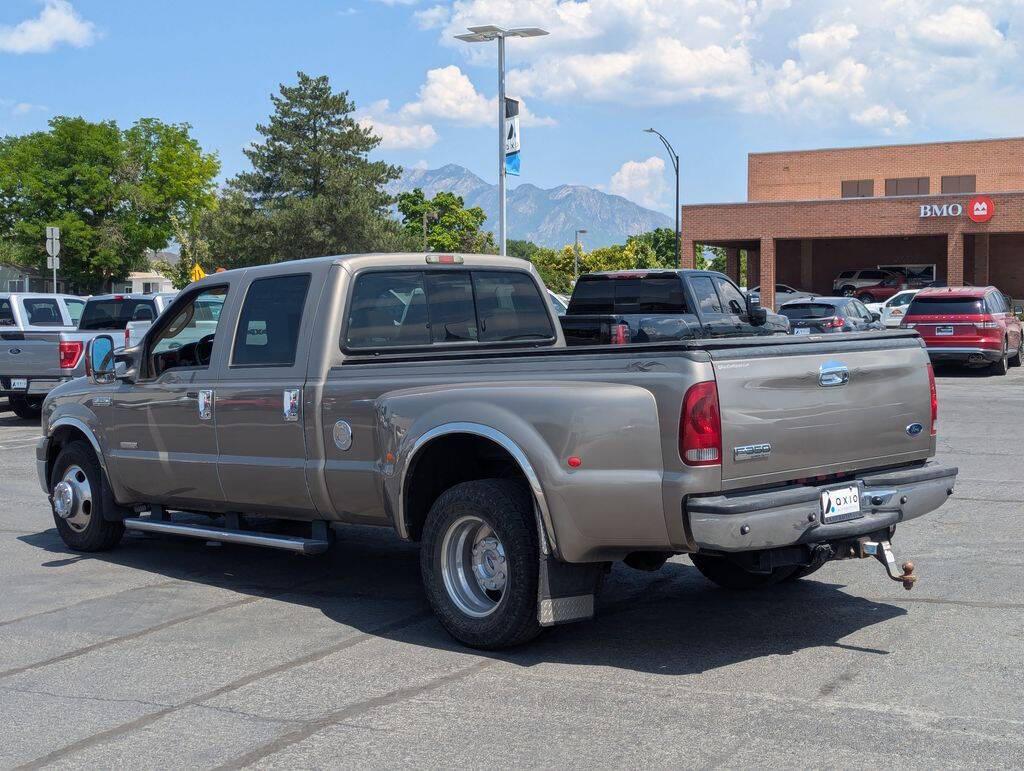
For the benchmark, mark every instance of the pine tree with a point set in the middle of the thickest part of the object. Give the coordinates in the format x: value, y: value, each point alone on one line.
x: 312, y: 190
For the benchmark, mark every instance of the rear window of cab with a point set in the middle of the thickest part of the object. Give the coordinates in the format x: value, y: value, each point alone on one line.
x: 417, y: 308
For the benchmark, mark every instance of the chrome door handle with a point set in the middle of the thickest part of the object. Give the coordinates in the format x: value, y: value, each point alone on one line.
x: 290, y: 404
x: 833, y: 373
x: 205, y: 405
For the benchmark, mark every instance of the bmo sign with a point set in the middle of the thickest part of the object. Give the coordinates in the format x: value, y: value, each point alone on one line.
x: 979, y: 209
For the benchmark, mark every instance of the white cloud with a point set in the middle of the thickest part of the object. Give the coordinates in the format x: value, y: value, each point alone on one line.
x: 24, y: 108
x: 881, y: 118
x: 395, y: 131
x: 641, y: 181
x: 449, y: 95
x: 57, y: 23
x: 827, y: 42
x: 892, y: 64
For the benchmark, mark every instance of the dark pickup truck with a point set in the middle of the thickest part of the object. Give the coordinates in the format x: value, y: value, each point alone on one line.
x: 652, y: 306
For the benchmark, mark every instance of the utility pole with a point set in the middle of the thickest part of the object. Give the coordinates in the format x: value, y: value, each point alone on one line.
x: 576, y: 257
x: 486, y: 34
x: 675, y: 165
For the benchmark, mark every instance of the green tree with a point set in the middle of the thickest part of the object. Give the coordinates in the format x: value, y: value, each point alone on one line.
x: 113, y: 193
x: 555, y: 268
x: 605, y: 258
x: 663, y: 242
x: 312, y: 189
x: 524, y: 250
x: 711, y: 258
x: 193, y: 250
x: 450, y: 226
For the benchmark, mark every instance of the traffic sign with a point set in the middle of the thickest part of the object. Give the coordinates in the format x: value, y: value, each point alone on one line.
x: 52, y: 243
x: 52, y: 263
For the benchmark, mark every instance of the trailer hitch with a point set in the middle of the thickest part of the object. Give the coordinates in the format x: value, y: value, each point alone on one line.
x: 882, y: 551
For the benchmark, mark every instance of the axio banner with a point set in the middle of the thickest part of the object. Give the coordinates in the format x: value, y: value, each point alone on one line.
x: 512, y: 136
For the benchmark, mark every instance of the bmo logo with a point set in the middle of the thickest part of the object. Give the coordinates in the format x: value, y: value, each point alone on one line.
x: 981, y: 208
x: 978, y: 209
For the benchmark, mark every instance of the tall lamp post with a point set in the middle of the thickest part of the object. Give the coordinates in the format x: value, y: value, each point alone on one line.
x: 675, y: 164
x: 576, y: 257
x: 485, y: 35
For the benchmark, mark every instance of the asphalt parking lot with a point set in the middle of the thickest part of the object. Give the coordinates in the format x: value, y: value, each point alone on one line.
x: 173, y: 653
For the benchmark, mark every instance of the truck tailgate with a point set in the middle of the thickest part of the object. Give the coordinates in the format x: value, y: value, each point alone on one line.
x: 817, y: 419
x: 29, y: 353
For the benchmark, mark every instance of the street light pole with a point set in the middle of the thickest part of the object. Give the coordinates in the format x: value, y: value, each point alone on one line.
x: 675, y: 165
x: 576, y: 257
x: 486, y: 34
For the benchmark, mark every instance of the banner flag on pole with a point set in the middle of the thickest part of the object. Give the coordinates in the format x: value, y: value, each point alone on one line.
x: 512, y: 136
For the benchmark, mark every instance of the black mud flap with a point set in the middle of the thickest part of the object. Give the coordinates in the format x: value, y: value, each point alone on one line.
x: 567, y: 592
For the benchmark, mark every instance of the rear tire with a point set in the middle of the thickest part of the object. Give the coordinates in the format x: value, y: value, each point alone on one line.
x: 1003, y: 365
x: 26, y: 407
x: 729, y: 575
x: 480, y: 561
x: 1015, y: 359
x: 848, y: 291
x: 80, y: 498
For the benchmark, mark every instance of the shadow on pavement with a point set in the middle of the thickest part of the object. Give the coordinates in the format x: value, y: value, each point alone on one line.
x: 668, y: 622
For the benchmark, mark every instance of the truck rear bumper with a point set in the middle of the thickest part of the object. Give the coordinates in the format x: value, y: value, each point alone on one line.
x: 784, y: 516
x: 34, y: 386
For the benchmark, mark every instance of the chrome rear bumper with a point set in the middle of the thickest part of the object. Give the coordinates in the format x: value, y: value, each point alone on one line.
x: 784, y: 516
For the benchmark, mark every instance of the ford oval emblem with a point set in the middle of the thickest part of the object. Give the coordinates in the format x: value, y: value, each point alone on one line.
x: 914, y: 429
x: 14, y: 351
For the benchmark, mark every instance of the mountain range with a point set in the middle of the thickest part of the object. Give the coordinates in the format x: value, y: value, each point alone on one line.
x: 546, y: 217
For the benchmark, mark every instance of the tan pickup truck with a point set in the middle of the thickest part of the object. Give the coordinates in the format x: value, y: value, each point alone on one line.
x: 434, y: 394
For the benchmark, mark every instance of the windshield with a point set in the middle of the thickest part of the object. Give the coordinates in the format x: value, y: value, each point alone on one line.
x: 808, y: 311
x: 946, y: 306
x: 115, y: 313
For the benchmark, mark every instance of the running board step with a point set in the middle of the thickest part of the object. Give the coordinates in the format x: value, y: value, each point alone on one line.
x: 248, y: 537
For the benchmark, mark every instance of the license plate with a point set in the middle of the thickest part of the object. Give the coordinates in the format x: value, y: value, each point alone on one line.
x: 943, y: 330
x: 840, y: 504
x: 802, y: 331
x: 19, y: 383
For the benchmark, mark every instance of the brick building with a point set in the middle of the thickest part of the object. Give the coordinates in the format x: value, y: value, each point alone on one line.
x: 954, y: 209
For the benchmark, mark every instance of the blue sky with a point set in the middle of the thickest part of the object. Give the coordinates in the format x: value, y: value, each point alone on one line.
x: 719, y: 77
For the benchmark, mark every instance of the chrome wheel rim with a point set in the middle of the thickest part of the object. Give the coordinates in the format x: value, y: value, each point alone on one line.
x: 72, y: 498
x: 474, y: 566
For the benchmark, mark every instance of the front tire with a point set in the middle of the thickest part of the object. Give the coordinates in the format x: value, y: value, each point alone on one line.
x: 848, y: 291
x: 80, y: 498
x: 727, y: 574
x: 26, y: 407
x: 480, y: 563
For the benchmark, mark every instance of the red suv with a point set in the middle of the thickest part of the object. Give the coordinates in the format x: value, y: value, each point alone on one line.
x: 886, y: 288
x: 967, y: 324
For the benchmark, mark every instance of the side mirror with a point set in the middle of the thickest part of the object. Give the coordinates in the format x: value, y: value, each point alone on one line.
x: 99, y: 359
x: 758, y: 315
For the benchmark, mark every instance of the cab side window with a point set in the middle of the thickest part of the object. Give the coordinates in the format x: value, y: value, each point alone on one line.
x: 186, y: 340
x: 704, y: 290
x: 268, y: 327
x: 731, y: 297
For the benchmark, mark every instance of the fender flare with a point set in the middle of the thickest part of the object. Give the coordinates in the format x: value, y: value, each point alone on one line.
x: 85, y: 429
x: 545, y: 529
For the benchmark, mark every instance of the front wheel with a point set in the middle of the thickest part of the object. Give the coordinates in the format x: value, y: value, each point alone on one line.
x: 729, y: 575
x: 26, y: 407
x: 847, y: 291
x: 80, y: 498
x: 480, y: 563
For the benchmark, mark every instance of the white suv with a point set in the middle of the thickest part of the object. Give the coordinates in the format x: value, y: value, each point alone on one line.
x: 849, y: 281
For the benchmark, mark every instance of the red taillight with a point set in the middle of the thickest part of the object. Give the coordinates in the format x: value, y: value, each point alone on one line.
x: 700, y: 426
x: 70, y: 353
x: 833, y: 323
x: 620, y: 334
x: 935, y: 399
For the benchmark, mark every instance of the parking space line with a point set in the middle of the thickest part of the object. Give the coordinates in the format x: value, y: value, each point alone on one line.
x: 152, y: 717
x: 353, y: 710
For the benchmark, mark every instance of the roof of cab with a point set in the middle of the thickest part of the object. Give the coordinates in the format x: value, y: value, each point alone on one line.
x: 354, y: 262
x: 955, y: 291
